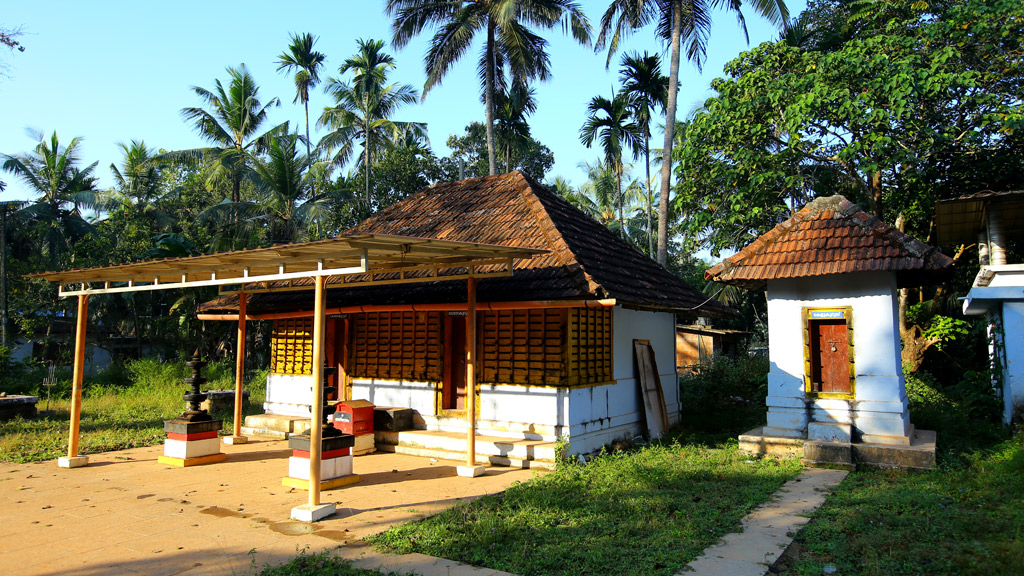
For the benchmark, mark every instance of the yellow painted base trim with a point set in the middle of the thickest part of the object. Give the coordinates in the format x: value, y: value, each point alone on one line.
x: 197, y: 461
x: 324, y: 484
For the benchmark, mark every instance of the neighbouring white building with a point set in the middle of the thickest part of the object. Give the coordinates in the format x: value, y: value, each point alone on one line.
x: 994, y: 220
x: 835, y: 386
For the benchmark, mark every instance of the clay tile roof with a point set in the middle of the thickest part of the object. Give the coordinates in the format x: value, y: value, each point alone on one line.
x: 831, y: 236
x: 586, y: 260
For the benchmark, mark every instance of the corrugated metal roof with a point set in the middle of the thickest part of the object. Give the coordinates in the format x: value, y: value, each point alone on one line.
x: 830, y: 236
x: 958, y: 220
x: 585, y: 259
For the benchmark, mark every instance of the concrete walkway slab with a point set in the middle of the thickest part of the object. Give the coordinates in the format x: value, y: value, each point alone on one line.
x: 768, y: 530
x: 127, y: 514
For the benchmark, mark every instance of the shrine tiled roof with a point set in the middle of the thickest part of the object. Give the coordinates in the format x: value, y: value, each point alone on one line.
x: 831, y: 236
x: 586, y: 261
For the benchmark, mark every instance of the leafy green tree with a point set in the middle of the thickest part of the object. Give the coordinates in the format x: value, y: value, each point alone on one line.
x: 678, y: 21
x: 363, y: 110
x: 231, y: 123
x: 611, y: 121
x: 906, y: 113
x: 306, y: 62
x: 647, y: 89
x: 509, y: 44
x: 533, y: 159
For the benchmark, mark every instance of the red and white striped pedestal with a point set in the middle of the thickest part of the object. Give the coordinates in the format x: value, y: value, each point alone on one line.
x: 192, y: 443
x: 335, y: 462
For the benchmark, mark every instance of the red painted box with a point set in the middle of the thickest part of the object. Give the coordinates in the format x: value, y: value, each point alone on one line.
x: 354, y: 417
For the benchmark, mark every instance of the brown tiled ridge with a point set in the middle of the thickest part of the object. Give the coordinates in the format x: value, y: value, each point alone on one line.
x: 831, y: 235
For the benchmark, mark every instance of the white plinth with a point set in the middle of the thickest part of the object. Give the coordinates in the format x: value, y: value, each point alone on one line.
x: 329, y: 468
x: 471, y: 471
x: 236, y: 439
x: 307, y: 513
x: 186, y: 449
x: 72, y: 461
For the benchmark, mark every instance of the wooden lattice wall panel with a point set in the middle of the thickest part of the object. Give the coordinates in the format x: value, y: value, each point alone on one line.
x: 291, y: 350
x: 590, y: 345
x: 397, y: 346
x: 523, y: 347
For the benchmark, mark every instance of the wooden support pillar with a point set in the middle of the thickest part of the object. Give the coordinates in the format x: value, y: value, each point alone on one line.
x: 471, y: 469
x: 73, y: 460
x: 314, y: 510
x: 317, y: 409
x: 236, y: 435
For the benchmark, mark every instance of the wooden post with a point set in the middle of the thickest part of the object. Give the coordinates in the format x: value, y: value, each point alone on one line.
x: 73, y: 460
x: 236, y: 437
x: 471, y: 469
x: 317, y: 409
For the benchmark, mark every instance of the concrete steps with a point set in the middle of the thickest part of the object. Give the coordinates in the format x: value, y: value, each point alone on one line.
x: 490, y: 450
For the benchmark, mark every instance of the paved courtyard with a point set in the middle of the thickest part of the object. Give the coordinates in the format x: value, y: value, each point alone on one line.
x: 127, y: 514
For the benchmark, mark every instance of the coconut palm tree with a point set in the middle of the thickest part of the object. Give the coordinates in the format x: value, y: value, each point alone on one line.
x: 363, y: 109
x: 285, y: 203
x: 611, y: 120
x: 231, y: 123
x: 306, y: 63
x: 512, y: 131
x: 51, y: 170
x: 678, y: 21
x: 509, y: 43
x: 647, y: 89
x: 137, y: 185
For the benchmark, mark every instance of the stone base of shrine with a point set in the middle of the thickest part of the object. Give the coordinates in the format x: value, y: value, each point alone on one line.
x: 918, y: 451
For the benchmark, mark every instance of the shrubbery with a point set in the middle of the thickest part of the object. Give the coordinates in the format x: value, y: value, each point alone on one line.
x: 724, y: 398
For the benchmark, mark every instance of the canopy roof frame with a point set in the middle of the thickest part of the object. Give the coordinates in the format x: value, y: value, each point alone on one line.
x: 363, y: 260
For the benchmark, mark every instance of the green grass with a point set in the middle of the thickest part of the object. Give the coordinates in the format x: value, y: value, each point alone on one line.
x: 122, y: 410
x: 321, y: 564
x: 648, y: 511
x: 961, y: 520
x: 964, y: 517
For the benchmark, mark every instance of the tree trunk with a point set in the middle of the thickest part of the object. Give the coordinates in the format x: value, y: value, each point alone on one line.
x: 366, y: 167
x: 3, y: 275
x: 492, y: 162
x: 876, y: 193
x: 647, y: 188
x: 618, y: 187
x: 670, y: 124
x: 309, y: 153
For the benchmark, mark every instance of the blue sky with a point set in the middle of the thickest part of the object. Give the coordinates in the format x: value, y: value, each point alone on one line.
x: 112, y: 72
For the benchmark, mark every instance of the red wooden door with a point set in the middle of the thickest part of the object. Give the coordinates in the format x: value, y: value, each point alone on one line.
x: 453, y: 390
x: 830, y: 359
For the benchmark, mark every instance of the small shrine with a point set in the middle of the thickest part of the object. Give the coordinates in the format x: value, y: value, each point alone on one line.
x: 836, y: 391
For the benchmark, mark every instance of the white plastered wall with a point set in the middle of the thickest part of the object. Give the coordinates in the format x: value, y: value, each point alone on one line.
x: 878, y: 412
x: 588, y: 416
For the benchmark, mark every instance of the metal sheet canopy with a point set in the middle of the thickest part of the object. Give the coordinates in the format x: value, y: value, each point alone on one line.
x: 363, y: 260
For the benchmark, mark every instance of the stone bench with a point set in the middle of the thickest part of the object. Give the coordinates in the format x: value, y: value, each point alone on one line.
x: 17, y: 405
